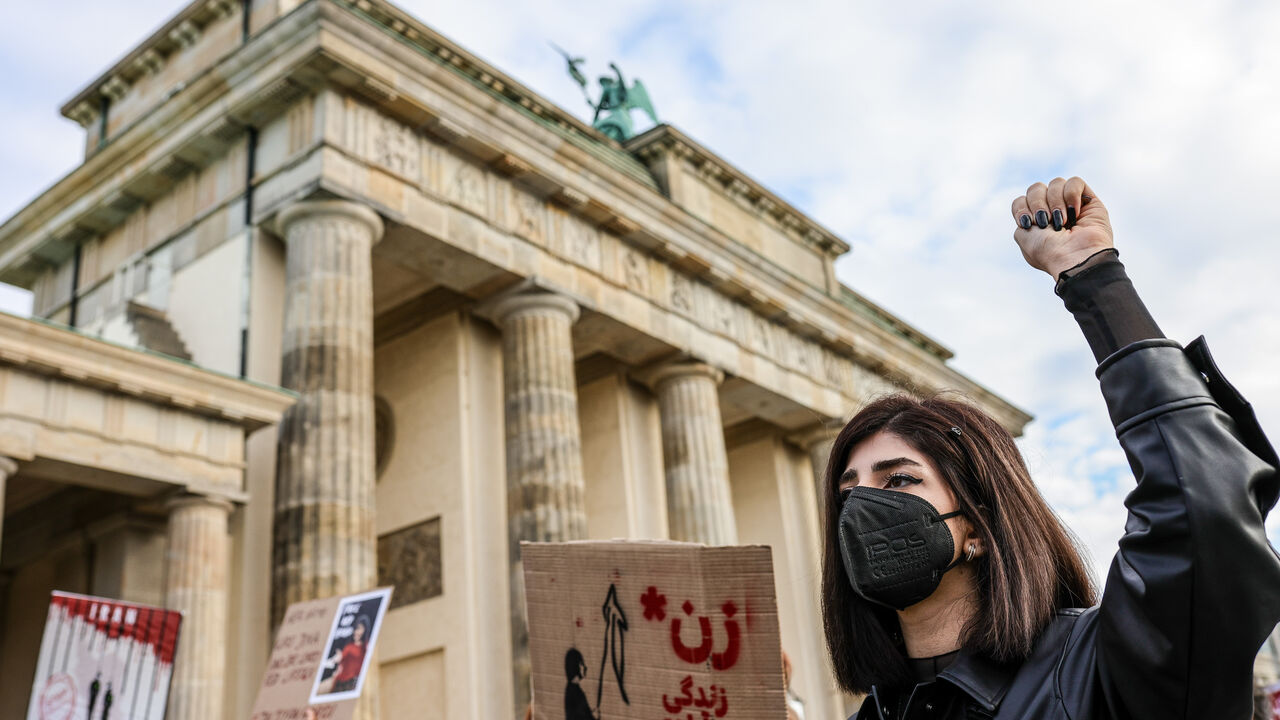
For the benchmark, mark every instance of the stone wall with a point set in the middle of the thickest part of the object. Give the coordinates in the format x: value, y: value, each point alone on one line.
x: 442, y: 382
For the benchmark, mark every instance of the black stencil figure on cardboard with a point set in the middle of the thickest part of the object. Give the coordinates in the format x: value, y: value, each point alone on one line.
x: 94, y: 688
x: 106, y: 703
x: 575, y: 700
x: 615, y: 633
x: 576, y: 706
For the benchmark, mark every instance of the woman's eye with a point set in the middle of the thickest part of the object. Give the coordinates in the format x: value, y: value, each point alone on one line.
x: 898, y: 480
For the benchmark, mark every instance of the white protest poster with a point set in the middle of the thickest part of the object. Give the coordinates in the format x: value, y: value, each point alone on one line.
x: 652, y: 630
x: 102, y: 658
x: 349, y: 648
x: 322, y: 654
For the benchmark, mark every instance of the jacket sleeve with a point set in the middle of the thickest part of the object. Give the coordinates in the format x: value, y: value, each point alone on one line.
x: 1195, y: 588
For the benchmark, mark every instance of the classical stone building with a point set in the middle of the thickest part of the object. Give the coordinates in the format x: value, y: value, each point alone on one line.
x: 492, y: 322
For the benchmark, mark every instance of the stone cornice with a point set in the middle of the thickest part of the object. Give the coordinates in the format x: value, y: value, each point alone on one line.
x: 161, y: 147
x: 148, y: 57
x: 665, y: 139
x: 48, y: 349
x: 413, y: 32
x: 858, y: 303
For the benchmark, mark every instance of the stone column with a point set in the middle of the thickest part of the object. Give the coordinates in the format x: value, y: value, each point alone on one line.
x: 817, y: 442
x: 699, y: 503
x: 544, y: 446
x: 7, y: 468
x: 197, y: 563
x: 324, y: 538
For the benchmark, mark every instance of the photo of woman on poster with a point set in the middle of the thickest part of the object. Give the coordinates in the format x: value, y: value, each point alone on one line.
x: 342, y: 668
x: 347, y: 662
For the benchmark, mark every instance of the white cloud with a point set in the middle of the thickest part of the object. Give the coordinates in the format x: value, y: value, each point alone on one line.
x: 908, y: 128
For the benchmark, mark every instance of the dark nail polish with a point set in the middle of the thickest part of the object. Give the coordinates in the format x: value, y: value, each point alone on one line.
x: 1025, y: 221
x: 1057, y: 219
x: 1042, y: 218
x: 1071, y: 215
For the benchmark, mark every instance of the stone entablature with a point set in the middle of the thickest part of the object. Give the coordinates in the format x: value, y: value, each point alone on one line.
x: 430, y: 148
x: 83, y: 411
x: 481, y: 211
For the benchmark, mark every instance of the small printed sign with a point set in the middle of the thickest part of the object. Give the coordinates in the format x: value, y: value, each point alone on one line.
x: 627, y: 629
x: 349, y: 649
x: 320, y: 659
x: 102, y: 658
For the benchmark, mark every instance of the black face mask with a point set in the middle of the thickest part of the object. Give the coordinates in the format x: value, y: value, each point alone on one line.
x: 895, y: 546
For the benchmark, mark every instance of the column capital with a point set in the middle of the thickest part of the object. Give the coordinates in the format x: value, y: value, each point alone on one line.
x: 304, y: 209
x: 655, y: 376
x: 8, y: 466
x: 187, y: 499
x: 523, y: 302
x: 814, y: 435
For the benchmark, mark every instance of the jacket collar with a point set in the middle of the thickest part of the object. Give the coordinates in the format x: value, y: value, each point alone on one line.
x: 980, y: 678
x: 983, y: 680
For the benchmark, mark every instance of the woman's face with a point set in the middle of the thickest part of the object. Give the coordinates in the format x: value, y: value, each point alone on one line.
x: 886, y: 462
x: 359, y: 632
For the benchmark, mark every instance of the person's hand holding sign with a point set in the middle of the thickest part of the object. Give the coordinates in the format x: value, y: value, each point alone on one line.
x: 1060, y: 225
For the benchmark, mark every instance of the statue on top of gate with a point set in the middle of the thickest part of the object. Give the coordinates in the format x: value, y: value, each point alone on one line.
x: 613, y: 109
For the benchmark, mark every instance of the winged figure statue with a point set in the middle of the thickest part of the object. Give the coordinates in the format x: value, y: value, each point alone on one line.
x: 617, y: 100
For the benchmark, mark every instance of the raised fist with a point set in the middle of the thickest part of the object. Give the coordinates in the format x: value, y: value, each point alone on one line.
x: 1060, y: 225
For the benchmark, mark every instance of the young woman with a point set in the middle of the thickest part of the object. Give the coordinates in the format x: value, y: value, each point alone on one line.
x: 349, y: 660
x: 951, y: 590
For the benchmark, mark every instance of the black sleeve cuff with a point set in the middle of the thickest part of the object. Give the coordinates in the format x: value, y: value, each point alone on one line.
x: 1100, y: 295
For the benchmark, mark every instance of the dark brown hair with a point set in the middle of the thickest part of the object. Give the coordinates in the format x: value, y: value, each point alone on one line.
x: 1030, y: 569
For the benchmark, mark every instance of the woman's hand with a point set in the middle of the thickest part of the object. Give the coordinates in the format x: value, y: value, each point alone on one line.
x: 1060, y: 225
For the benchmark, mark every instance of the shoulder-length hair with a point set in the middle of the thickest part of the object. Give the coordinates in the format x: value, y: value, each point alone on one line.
x: 1030, y: 568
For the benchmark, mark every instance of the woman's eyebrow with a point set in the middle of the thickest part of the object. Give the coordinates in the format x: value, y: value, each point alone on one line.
x: 895, y: 462
x: 851, y: 475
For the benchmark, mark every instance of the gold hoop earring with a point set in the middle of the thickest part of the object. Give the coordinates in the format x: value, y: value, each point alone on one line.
x: 972, y: 550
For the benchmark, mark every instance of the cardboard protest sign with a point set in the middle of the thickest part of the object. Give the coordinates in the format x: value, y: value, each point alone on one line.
x: 322, y: 654
x: 652, y: 630
x: 103, y: 658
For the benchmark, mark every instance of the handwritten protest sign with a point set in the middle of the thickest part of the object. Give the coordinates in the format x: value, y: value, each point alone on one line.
x: 322, y: 654
x: 103, y: 658
x: 652, y: 630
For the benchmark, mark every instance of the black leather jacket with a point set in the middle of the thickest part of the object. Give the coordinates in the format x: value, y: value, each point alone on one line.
x: 1193, y: 591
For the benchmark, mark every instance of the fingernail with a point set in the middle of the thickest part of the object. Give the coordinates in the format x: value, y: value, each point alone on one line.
x: 1057, y: 219
x: 1042, y: 218
x: 1071, y: 215
x: 1025, y: 221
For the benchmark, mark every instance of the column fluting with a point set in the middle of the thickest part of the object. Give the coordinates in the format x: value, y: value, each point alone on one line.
x: 545, y: 485
x: 325, y: 542
x: 197, y: 559
x: 699, y: 502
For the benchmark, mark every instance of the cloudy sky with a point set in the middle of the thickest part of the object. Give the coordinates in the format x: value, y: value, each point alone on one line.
x: 907, y: 128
